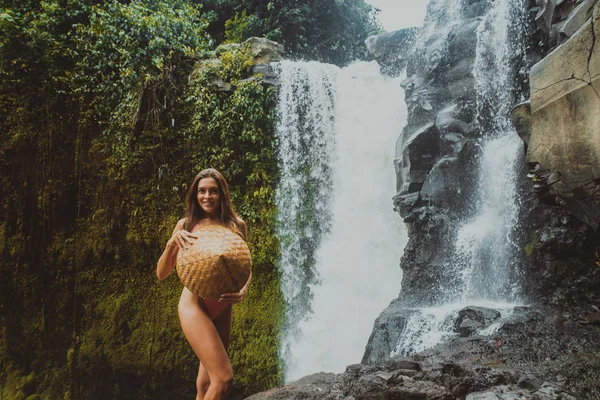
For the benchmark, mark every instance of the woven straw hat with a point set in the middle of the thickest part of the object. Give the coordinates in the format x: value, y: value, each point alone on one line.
x: 217, y: 262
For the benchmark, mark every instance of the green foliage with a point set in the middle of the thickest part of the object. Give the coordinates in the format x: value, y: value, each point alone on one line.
x: 324, y: 30
x: 237, y: 29
x: 131, y: 60
x: 103, y: 127
x: 140, y: 43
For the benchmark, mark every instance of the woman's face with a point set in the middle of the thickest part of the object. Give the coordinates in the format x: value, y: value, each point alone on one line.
x: 209, y: 196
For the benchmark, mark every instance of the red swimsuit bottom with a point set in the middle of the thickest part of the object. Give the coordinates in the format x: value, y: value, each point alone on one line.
x: 213, y: 307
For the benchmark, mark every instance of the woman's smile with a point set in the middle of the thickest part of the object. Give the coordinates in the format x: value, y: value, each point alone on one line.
x: 209, y: 195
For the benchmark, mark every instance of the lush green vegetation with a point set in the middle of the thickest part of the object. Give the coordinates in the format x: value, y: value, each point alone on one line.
x: 325, y: 30
x: 107, y: 111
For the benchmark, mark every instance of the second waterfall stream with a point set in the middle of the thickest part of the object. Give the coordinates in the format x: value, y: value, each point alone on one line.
x: 341, y: 241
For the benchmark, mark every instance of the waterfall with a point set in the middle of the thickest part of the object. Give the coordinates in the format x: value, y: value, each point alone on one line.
x: 484, y: 248
x: 306, y: 136
x: 340, y: 239
x: 484, y: 253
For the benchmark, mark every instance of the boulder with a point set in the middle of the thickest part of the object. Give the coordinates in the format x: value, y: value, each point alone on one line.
x: 471, y: 319
x: 264, y: 50
x: 386, y: 333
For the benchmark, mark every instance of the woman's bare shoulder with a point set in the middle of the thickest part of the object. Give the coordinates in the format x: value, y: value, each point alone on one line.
x: 179, y: 226
x: 242, y: 227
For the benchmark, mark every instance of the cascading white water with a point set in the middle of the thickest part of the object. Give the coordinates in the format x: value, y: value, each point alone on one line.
x: 426, y: 327
x: 306, y: 141
x: 354, y: 271
x: 484, y: 248
x: 484, y: 251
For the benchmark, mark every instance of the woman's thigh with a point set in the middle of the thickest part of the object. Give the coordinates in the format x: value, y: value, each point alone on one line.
x: 223, y: 325
x: 204, y: 338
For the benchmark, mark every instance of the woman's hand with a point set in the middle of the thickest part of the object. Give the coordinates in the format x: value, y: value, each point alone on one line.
x: 234, y: 298
x: 182, y: 239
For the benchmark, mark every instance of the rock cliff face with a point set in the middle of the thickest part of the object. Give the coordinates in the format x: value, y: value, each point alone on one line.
x: 565, y: 115
x: 557, y: 240
x: 438, y: 152
x: 562, y: 131
x: 436, y: 147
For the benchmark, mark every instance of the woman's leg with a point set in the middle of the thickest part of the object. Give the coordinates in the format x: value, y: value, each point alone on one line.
x: 204, y: 339
x: 223, y: 325
x: 202, y: 382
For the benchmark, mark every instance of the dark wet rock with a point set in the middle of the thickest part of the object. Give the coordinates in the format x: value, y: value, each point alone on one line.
x: 552, y: 391
x: 402, y: 363
x: 544, y: 14
x: 438, y: 151
x: 520, y: 361
x: 474, y: 8
x: 532, y: 345
x: 420, y: 151
x: 565, y: 129
x: 530, y: 383
x: 405, y: 203
x: 266, y: 73
x: 563, y: 253
x: 436, y: 161
x: 453, y: 74
x: 472, y: 319
x: 437, y: 381
x: 316, y: 386
x: 386, y: 333
x: 391, y: 49
x: 449, y: 120
x: 440, y: 185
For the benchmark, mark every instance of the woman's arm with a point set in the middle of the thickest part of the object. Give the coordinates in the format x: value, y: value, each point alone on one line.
x: 180, y: 239
x: 239, y: 296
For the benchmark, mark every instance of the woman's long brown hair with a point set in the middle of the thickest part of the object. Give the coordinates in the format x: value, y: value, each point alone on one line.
x: 194, y: 213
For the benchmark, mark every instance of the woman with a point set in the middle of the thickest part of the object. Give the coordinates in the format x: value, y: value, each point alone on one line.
x: 206, y: 323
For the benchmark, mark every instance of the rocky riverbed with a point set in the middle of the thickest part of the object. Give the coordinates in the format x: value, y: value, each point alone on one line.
x: 536, y: 354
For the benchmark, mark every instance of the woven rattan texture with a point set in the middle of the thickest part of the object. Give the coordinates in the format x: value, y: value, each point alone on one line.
x: 217, y: 262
